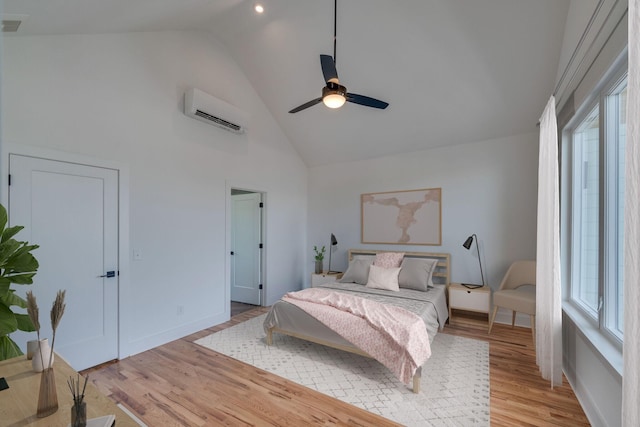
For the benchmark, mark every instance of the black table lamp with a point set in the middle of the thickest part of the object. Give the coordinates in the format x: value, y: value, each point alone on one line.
x: 467, y: 245
x: 333, y: 243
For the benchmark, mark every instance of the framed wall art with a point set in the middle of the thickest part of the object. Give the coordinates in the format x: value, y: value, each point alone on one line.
x: 410, y: 217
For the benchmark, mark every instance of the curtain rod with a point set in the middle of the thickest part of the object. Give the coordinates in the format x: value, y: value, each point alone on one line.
x: 579, y: 45
x: 577, y: 48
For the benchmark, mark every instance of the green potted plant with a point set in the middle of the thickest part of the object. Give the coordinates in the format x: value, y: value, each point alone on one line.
x: 319, y: 256
x: 17, y: 265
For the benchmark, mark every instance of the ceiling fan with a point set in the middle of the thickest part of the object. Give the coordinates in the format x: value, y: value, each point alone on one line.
x: 334, y: 95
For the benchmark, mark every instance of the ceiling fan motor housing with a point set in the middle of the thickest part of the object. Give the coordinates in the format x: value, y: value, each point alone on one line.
x: 334, y: 89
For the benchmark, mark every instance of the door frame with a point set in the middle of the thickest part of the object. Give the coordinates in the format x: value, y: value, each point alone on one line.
x: 229, y: 185
x: 6, y: 149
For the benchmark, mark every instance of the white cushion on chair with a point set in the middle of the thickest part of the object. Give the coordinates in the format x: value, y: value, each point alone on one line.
x: 522, y: 299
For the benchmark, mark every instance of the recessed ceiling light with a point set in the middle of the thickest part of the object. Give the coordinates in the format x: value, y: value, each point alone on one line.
x: 258, y: 7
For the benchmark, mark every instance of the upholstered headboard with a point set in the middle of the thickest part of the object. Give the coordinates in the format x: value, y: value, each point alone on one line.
x: 442, y: 274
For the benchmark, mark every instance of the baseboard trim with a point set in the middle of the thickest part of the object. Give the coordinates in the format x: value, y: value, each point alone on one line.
x: 155, y: 340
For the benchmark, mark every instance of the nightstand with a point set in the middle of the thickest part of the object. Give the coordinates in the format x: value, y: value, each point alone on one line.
x: 463, y: 298
x: 321, y: 279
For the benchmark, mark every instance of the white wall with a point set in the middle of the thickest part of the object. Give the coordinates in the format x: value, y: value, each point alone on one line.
x: 118, y: 97
x: 488, y: 188
x: 595, y: 382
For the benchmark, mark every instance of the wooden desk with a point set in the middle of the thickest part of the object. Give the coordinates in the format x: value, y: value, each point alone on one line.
x: 19, y: 403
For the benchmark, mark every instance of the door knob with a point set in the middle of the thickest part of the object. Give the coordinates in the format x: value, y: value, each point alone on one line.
x: 109, y: 274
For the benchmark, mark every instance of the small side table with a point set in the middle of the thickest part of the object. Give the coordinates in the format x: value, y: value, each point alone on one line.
x: 463, y: 298
x: 321, y: 279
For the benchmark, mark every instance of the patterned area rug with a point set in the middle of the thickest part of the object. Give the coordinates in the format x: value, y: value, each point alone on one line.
x: 454, y: 386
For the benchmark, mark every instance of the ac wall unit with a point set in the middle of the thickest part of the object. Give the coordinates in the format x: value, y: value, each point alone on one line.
x: 209, y: 109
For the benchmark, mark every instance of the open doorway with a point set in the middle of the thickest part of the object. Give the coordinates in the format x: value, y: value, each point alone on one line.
x: 247, y: 250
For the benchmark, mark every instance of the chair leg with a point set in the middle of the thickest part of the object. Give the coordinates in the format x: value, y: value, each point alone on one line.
x: 513, y: 318
x: 533, y: 328
x: 493, y: 317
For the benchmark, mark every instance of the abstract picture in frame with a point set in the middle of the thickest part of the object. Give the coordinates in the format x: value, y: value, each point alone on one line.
x: 408, y: 217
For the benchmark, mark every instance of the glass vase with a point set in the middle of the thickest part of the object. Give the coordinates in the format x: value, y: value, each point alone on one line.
x: 48, y: 397
x: 79, y: 414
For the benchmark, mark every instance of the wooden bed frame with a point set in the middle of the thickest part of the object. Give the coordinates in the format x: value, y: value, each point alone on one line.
x: 441, y: 276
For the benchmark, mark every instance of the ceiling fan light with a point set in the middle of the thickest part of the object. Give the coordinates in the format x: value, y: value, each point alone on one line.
x: 333, y: 95
x: 334, y: 100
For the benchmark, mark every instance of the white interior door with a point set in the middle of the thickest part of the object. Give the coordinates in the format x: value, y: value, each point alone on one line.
x: 71, y: 211
x: 245, y: 247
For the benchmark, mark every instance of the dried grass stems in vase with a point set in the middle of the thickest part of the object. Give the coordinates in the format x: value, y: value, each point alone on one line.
x: 38, y: 361
x: 79, y: 410
x: 56, y: 315
x: 34, y: 316
x: 47, y: 398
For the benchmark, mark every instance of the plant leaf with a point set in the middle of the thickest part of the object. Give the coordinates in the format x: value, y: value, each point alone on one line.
x: 4, y: 286
x: 22, y: 247
x: 17, y: 265
x: 21, y: 262
x: 8, y: 322
x: 8, y: 348
x: 22, y: 279
x: 3, y: 218
x: 12, y: 299
x: 10, y: 232
x: 24, y: 322
x: 7, y: 249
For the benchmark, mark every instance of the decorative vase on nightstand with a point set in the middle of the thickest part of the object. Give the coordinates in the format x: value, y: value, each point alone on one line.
x: 319, y: 257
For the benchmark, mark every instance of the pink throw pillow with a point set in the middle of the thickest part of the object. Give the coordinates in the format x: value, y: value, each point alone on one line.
x: 389, y: 259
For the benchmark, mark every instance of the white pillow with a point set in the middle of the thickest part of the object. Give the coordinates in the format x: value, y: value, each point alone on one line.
x: 383, y: 278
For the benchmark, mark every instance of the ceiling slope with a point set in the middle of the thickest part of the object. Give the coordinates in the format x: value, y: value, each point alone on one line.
x: 453, y: 71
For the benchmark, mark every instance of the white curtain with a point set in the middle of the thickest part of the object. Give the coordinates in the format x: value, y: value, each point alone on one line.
x: 548, y: 293
x: 631, y: 350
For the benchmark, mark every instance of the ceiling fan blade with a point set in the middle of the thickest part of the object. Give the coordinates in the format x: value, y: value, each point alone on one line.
x: 328, y: 68
x: 306, y: 105
x: 367, y: 101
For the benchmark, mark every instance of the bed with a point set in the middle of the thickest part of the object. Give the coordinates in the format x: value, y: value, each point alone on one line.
x: 422, y: 293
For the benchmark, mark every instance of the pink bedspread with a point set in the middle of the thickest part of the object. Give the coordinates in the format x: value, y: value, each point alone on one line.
x: 392, y: 335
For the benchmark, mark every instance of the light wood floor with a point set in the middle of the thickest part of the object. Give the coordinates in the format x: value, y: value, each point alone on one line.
x: 184, y: 384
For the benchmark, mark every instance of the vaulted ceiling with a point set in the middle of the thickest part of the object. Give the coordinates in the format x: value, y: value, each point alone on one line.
x: 453, y: 71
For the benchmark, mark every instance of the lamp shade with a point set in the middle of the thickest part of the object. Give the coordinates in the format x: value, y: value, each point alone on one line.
x: 333, y: 240
x: 467, y: 243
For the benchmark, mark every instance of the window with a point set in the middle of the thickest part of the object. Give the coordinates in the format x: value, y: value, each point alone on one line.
x: 585, y: 218
x: 617, y: 110
x: 596, y: 150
